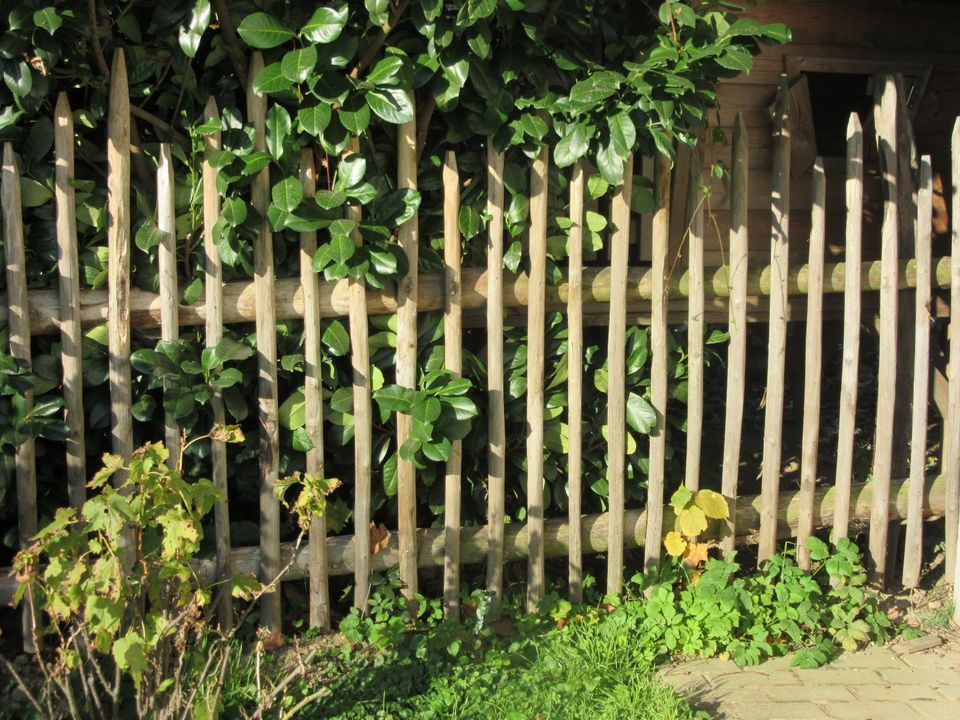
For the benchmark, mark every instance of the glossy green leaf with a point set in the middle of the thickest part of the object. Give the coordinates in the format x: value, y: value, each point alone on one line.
x: 391, y: 104
x: 313, y: 119
x: 287, y: 194
x: 355, y: 113
x: 263, y: 31
x: 49, y: 19
x: 279, y: 126
x: 297, y: 64
x: 573, y: 145
x: 326, y: 24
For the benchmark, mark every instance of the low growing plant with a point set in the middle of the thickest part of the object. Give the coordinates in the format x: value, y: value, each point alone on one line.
x: 126, y: 619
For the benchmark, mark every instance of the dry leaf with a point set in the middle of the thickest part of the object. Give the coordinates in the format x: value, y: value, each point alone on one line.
x: 379, y: 538
x: 273, y: 641
x: 697, y: 553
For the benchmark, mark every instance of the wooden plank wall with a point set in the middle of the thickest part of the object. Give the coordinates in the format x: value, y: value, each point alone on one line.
x: 867, y: 31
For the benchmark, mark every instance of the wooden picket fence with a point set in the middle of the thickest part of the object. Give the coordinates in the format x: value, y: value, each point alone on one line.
x: 827, y: 496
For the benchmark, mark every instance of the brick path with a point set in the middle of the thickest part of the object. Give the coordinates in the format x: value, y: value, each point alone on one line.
x: 876, y: 684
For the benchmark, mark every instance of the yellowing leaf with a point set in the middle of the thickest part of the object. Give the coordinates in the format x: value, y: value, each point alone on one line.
x: 692, y: 521
x: 713, y: 504
x: 674, y: 543
x: 681, y: 498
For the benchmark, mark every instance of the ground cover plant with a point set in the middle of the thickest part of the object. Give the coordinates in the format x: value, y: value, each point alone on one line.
x: 595, y: 660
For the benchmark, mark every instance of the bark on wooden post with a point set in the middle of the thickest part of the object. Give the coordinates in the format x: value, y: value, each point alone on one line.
x: 167, y: 261
x: 777, y: 345
x: 575, y: 383
x: 658, y: 363
x: 695, y: 327
x: 407, y: 363
x: 264, y: 281
x: 851, y: 328
x: 737, y: 350
x: 913, y: 547
x: 453, y: 361
x: 313, y: 401
x: 617, y: 373
x: 951, y: 452
x: 885, y: 120
x: 19, y: 329
x: 213, y: 334
x: 496, y: 422
x: 362, y: 417
x: 71, y: 339
x: 812, y: 367
x: 118, y: 275
x: 535, y: 385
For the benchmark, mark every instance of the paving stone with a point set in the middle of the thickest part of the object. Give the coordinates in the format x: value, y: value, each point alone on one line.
x: 933, y: 660
x: 921, y: 676
x: 871, y: 710
x: 896, y: 693
x: 751, y: 678
x: 950, y: 692
x: 686, y: 683
x: 835, y: 675
x: 937, y: 710
x: 778, y: 711
x: 875, y: 658
x: 813, y: 693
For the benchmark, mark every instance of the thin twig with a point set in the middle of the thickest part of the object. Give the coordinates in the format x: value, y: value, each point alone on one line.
x: 370, y: 52
x: 237, y: 56
x: 160, y: 124
x: 22, y: 685
x: 423, y: 123
x: 322, y: 692
x: 95, y: 38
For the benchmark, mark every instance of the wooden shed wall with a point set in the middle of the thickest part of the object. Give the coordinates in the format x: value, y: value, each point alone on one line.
x: 877, y: 34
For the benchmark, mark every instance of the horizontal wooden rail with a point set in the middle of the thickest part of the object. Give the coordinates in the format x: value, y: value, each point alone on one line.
x: 239, y: 299
x: 556, y: 536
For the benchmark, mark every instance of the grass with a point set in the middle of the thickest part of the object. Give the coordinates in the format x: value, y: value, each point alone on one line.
x: 593, y: 661
x: 584, y: 671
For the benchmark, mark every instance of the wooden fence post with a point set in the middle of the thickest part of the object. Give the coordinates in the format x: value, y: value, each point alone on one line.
x: 313, y: 400
x: 885, y: 120
x: 363, y: 417
x: 812, y: 366
x: 777, y: 346
x: 575, y: 383
x: 213, y: 334
x: 737, y: 349
x: 851, y: 327
x: 658, y: 364
x: 167, y: 261
x: 951, y: 451
x: 118, y: 274
x: 453, y: 361
x: 407, y: 363
x: 496, y: 429
x: 695, y: 325
x: 617, y: 374
x: 263, y: 282
x: 913, y: 548
x: 19, y: 328
x: 535, y: 385
x: 71, y: 339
